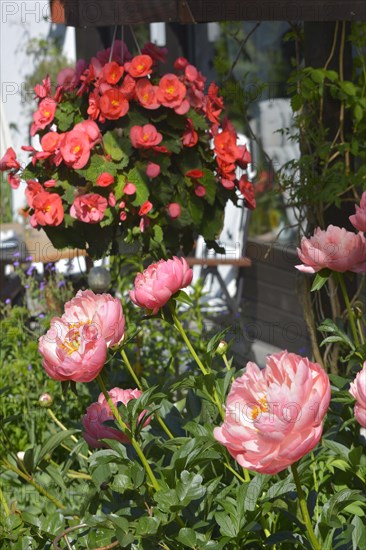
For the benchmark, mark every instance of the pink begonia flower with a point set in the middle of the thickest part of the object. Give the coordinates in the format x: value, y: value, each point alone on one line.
x: 9, y: 161
x: 92, y: 131
x: 89, y: 208
x: 50, y: 183
x: 105, y: 179
x: 44, y: 115
x: 75, y: 347
x: 145, y: 208
x: 33, y: 188
x: 146, y: 94
x: 144, y: 137
x: 112, y: 199
x: 152, y: 170
x: 358, y: 390
x: 13, y: 180
x: 44, y: 89
x: 50, y: 142
x: 358, y: 220
x: 157, y: 284
x: 100, y: 412
x: 174, y: 210
x: 67, y: 78
x: 48, y: 209
x: 129, y: 188
x: 273, y: 416
x: 75, y: 149
x: 200, y: 191
x: 336, y: 249
x: 76, y: 145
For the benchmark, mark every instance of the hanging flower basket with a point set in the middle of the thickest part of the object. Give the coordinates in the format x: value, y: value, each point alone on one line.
x: 127, y: 153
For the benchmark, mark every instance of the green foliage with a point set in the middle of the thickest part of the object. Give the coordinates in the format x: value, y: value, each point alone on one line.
x: 331, y: 166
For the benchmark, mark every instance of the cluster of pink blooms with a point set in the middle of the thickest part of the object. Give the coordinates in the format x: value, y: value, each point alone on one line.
x: 110, y: 86
x: 336, y: 248
x: 273, y: 416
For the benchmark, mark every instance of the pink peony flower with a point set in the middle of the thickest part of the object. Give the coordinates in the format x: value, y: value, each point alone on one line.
x: 100, y: 412
x: 358, y: 390
x: 358, y: 220
x: 274, y: 415
x: 157, y: 284
x: 70, y: 352
x: 335, y: 249
x: 75, y: 347
x: 89, y: 208
x: 102, y: 310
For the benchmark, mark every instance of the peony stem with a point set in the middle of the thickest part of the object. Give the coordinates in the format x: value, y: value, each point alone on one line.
x: 36, y: 485
x: 139, y: 385
x: 349, y: 308
x: 227, y: 465
x: 226, y: 361
x: 201, y: 366
x: 180, y: 328
x: 4, y: 503
x: 52, y: 415
x: 304, y: 509
x: 126, y: 431
x: 130, y: 370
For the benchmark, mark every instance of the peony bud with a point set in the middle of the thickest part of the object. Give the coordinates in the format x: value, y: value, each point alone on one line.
x: 222, y: 348
x: 45, y: 400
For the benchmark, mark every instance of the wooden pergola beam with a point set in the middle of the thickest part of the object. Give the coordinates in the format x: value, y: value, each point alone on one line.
x: 92, y: 13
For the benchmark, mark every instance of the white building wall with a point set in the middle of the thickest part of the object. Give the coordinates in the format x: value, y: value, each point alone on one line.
x: 22, y: 20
